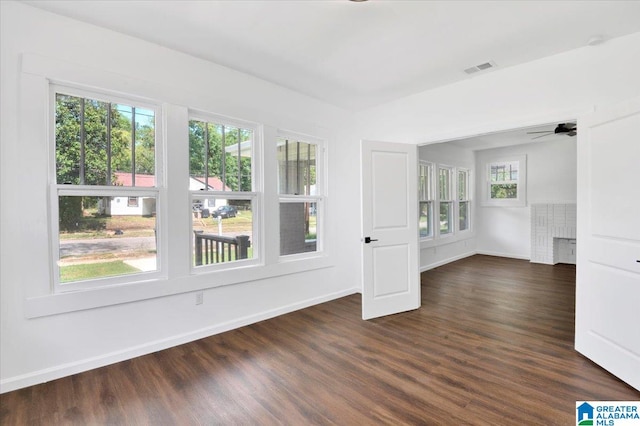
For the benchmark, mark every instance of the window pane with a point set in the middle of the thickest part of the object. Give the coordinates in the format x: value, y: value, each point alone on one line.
x: 68, y: 118
x: 222, y: 230
x: 219, y: 157
x: 144, y: 130
x: 504, y: 191
x: 296, y: 167
x: 298, y: 228
x: 426, y: 182
x: 94, y: 142
x: 462, y: 184
x: 445, y: 218
x: 504, y: 172
x: 104, y: 236
x: 445, y: 184
x: 425, y: 219
x: 463, y: 215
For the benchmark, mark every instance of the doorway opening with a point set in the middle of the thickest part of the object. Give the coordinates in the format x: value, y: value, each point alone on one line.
x: 487, y: 185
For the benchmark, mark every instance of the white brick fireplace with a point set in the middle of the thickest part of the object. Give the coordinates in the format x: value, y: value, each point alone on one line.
x: 553, y: 233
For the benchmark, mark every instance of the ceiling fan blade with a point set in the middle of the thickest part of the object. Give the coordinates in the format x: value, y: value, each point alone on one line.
x: 542, y: 136
x: 572, y: 132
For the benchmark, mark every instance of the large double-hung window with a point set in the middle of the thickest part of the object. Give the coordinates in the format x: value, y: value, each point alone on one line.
x: 134, y: 213
x: 222, y: 182
x: 106, y: 189
x: 506, y: 182
x: 300, y: 189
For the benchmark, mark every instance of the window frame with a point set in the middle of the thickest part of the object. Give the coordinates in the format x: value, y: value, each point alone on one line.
x: 426, y: 194
x: 319, y: 198
x: 256, y: 196
x: 38, y: 73
x: 466, y: 199
x: 450, y: 200
x: 57, y: 190
x: 521, y: 199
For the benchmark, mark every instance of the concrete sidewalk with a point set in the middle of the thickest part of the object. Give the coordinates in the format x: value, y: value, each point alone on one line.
x: 145, y: 264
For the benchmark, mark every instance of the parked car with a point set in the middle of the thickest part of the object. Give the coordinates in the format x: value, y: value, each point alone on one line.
x: 224, y: 212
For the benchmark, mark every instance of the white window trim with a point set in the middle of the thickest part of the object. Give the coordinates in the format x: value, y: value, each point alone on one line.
x: 256, y: 196
x: 57, y: 190
x: 319, y: 198
x: 456, y: 235
x: 468, y: 200
x: 92, y: 191
x: 451, y: 200
x: 38, y: 73
x: 431, y: 167
x: 485, y: 187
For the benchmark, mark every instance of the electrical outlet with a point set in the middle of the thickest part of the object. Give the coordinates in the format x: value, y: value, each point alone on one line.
x: 199, y: 297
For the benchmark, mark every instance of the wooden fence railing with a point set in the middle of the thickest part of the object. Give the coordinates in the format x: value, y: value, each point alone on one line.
x: 211, y: 248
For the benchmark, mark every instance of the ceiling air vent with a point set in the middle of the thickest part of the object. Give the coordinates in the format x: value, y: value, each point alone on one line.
x: 481, y: 67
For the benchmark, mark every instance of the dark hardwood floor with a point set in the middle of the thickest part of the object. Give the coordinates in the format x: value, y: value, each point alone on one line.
x: 491, y: 344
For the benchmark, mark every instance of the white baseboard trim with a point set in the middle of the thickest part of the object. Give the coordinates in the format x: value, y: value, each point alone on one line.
x: 64, y: 370
x: 509, y: 255
x: 444, y: 262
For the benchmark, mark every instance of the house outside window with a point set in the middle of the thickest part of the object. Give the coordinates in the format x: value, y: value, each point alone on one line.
x: 222, y: 188
x: 300, y: 189
x: 445, y: 200
x: 426, y: 199
x: 464, y: 205
x: 506, y: 182
x: 105, y: 157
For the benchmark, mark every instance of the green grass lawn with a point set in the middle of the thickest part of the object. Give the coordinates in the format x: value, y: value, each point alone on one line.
x: 242, y: 223
x: 87, y: 271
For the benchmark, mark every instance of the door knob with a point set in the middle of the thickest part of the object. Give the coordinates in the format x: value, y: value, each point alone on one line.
x: 367, y: 240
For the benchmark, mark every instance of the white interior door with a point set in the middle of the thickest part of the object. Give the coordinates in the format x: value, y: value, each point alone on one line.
x: 608, y: 240
x: 391, y: 276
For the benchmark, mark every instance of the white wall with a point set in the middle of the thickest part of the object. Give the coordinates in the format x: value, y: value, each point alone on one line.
x: 441, y: 250
x: 43, y: 348
x: 553, y: 89
x: 547, y: 90
x: 551, y: 178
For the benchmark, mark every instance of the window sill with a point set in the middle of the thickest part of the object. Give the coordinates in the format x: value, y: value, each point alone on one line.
x: 503, y: 203
x: 447, y: 239
x: 59, y: 303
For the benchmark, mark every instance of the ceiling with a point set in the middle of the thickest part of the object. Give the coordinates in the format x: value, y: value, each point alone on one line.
x: 512, y: 137
x: 357, y: 55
